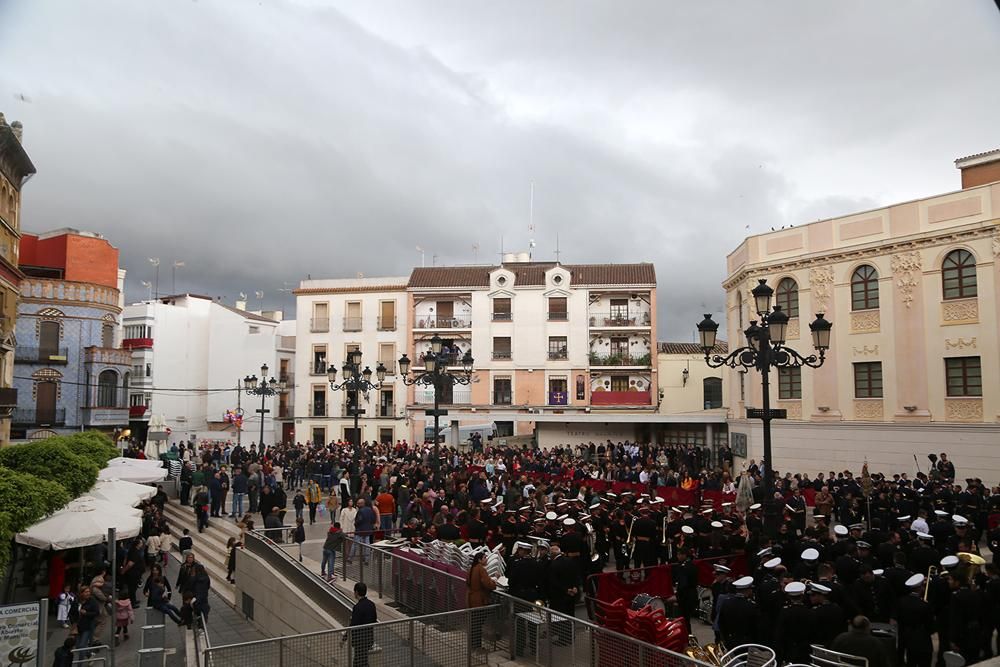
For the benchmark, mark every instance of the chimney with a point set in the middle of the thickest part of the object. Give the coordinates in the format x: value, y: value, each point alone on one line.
x: 979, y: 169
x: 241, y: 305
x: 17, y: 129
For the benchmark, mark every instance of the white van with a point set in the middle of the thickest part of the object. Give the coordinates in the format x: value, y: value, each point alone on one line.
x: 486, y: 431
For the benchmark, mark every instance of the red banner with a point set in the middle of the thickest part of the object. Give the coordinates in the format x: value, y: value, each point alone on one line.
x: 658, y: 582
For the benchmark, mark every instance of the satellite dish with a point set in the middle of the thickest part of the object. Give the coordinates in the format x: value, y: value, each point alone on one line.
x: 243, y: 296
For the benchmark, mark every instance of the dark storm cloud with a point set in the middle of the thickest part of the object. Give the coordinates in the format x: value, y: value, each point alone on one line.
x: 264, y: 142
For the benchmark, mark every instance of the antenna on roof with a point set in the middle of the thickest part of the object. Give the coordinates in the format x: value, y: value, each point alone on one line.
x: 531, y: 219
x: 475, y: 253
x: 557, y: 247
x: 421, y: 251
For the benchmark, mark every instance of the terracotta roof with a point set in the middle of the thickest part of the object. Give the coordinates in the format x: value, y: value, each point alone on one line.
x: 533, y: 273
x: 721, y: 347
x: 995, y: 151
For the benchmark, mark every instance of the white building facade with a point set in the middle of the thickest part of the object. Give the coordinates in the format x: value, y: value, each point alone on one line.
x: 189, y: 354
x: 335, y: 317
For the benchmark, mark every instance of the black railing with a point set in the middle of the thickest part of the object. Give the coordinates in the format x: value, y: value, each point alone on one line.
x: 39, y: 355
x: 502, y: 398
x: 502, y: 317
x: 501, y: 355
x: 558, y: 354
x: 319, y: 324
x: 34, y: 417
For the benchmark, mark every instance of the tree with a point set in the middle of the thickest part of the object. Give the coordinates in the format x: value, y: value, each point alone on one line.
x: 91, y: 445
x: 52, y: 460
x: 26, y: 498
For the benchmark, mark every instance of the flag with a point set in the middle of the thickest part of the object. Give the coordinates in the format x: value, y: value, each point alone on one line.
x: 866, y: 480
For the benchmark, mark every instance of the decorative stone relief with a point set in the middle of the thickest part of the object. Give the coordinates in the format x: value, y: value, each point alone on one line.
x: 868, y: 409
x: 792, y: 332
x: 963, y: 409
x: 865, y: 321
x: 864, y: 351
x: 821, y: 283
x: 906, y: 268
x: 996, y: 242
x: 959, y: 343
x: 794, y: 408
x: 960, y: 311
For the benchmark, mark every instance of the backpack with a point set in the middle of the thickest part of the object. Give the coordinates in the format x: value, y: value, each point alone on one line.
x: 74, y: 612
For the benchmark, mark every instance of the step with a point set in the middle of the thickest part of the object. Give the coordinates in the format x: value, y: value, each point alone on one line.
x: 209, y: 546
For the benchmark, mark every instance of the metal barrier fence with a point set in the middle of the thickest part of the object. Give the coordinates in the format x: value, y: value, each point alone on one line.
x: 519, y: 628
x: 445, y: 640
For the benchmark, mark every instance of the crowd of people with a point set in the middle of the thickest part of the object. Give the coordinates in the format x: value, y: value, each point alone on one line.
x: 845, y: 551
x: 86, y: 607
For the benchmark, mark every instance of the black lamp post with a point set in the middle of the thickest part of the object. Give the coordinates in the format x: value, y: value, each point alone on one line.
x: 262, y: 388
x: 436, y: 375
x: 356, y: 381
x: 766, y: 348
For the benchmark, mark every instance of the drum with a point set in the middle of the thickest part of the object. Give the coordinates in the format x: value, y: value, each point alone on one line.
x: 644, y: 600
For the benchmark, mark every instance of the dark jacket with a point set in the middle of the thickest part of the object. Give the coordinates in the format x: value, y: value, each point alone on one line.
x: 363, y: 613
x: 239, y: 483
x: 862, y: 644
x: 334, y: 540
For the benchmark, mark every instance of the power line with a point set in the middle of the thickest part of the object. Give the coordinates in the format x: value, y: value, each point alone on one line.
x: 190, y: 390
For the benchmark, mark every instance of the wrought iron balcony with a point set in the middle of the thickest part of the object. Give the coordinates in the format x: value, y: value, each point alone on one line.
x: 34, y: 417
x: 319, y: 324
x: 38, y: 355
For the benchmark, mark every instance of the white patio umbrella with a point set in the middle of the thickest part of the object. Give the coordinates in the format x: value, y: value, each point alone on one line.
x: 83, y: 522
x: 137, y: 474
x: 121, y: 492
x: 123, y: 461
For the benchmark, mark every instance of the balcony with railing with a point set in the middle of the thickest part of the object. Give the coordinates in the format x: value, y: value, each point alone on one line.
x: 34, y: 417
x: 501, y: 355
x: 137, y: 411
x: 621, y: 398
x: 318, y: 410
x: 504, y: 316
x: 618, y: 360
x: 111, y: 356
x: 287, y: 378
x: 38, y: 355
x: 558, y: 398
x: 443, y: 323
x: 386, y: 411
x: 503, y: 398
x: 459, y: 396
x: 286, y: 412
x: 352, y: 323
x: 387, y: 323
x: 137, y: 343
x: 620, y: 319
x: 558, y: 355
x: 319, y: 324
x: 318, y: 368
x: 99, y: 415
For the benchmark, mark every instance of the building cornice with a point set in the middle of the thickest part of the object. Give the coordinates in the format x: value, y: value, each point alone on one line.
x: 68, y: 292
x: 875, y: 249
x: 305, y: 291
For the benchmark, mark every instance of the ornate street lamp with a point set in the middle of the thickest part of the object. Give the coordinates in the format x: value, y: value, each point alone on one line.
x: 356, y: 381
x: 765, y: 349
x: 436, y: 375
x: 262, y: 388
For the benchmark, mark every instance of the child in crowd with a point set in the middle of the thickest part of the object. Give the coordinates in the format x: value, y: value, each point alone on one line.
x: 124, y: 615
x: 300, y: 535
x: 66, y: 600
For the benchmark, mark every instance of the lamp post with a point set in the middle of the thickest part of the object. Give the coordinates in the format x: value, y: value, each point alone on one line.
x: 436, y: 375
x: 355, y: 381
x: 262, y: 388
x: 766, y: 348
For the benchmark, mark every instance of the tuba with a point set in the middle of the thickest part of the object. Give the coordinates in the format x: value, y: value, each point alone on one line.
x: 709, y: 653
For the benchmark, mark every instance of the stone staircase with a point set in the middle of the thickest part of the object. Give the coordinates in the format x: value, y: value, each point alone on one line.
x: 209, y: 546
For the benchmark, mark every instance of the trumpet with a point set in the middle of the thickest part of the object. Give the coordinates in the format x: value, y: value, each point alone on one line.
x: 931, y: 572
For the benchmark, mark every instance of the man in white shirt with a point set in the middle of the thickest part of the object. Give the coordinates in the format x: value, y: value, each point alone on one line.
x: 920, y: 523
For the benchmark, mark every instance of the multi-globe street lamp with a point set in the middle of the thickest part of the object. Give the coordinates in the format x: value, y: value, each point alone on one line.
x: 262, y: 388
x: 766, y: 348
x: 437, y: 376
x: 356, y: 381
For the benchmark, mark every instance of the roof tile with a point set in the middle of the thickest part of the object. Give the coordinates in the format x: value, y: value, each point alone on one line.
x: 533, y: 273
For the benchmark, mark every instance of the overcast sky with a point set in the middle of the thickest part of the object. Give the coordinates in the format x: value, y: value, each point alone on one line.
x: 261, y: 142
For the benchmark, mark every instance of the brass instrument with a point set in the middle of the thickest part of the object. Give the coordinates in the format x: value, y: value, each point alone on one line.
x: 710, y: 653
x: 932, y: 571
x: 628, y: 539
x: 664, y: 543
x: 969, y: 566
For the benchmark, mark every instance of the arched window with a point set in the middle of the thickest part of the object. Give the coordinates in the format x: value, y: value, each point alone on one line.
x: 107, y: 389
x: 864, y: 288
x: 958, y: 275
x: 712, y: 388
x: 787, y: 296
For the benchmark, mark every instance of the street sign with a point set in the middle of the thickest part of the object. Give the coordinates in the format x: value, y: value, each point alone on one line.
x: 355, y: 411
x: 439, y: 413
x: 758, y: 413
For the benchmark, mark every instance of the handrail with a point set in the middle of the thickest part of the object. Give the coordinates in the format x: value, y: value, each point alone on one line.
x: 333, y: 601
